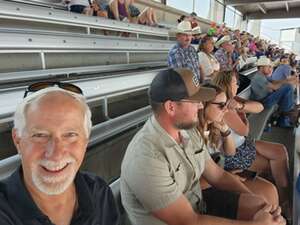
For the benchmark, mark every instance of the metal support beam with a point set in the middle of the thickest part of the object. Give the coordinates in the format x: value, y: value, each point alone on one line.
x: 246, y: 2
x: 262, y: 8
x: 275, y: 14
x: 287, y: 6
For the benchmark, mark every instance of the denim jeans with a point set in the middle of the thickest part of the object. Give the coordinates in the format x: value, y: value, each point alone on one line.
x: 284, y: 97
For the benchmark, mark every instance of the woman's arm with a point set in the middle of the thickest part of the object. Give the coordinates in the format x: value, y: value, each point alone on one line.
x: 228, y: 144
x: 248, y: 106
x: 238, y: 123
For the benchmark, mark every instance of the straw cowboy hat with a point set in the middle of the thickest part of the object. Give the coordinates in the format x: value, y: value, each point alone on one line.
x: 185, y: 27
x: 222, y: 40
x: 264, y: 61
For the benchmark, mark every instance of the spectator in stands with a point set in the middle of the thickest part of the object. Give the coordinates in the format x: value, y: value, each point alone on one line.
x: 242, y: 58
x: 193, y: 20
x: 256, y: 155
x: 118, y: 10
x: 237, y: 38
x: 218, y: 138
x: 197, y: 35
x: 224, y: 53
x: 181, y: 18
x: 101, y: 7
x: 80, y: 6
x: 162, y: 185
x: 270, y: 93
x: 146, y: 17
x: 209, y: 65
x: 283, y: 71
x: 183, y: 54
x: 51, y: 132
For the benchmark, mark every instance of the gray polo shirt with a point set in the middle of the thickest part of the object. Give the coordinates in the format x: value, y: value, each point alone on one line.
x: 156, y: 171
x: 259, y: 87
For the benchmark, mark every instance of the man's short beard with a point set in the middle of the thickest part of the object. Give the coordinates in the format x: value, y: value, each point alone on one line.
x: 185, y: 125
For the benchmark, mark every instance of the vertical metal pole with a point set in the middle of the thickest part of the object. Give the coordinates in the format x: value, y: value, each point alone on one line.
x: 42, y: 54
x: 224, y: 12
x: 128, y: 57
x: 105, y: 108
x: 194, y: 3
x: 298, y: 91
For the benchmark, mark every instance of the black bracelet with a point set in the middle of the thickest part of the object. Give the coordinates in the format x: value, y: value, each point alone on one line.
x: 226, y: 133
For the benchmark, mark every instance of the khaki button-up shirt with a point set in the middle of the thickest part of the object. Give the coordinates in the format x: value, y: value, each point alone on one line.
x: 156, y: 171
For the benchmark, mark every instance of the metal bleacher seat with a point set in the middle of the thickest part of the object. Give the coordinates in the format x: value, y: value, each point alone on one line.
x: 20, y: 15
x: 257, y: 121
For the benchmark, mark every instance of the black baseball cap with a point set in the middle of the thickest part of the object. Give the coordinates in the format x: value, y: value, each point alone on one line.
x: 178, y: 84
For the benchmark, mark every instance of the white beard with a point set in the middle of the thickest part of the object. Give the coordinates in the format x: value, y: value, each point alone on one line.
x: 52, y: 184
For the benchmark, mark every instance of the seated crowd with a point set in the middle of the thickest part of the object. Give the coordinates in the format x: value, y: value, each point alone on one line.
x: 192, y: 163
x: 122, y: 10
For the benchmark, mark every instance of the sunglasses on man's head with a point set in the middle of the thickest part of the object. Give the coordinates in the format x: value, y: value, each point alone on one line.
x: 221, y: 105
x: 45, y: 84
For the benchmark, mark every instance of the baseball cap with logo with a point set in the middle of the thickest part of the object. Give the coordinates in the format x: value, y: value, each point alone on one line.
x: 176, y: 85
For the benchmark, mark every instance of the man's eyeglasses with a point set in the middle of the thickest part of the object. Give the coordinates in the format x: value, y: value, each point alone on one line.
x: 221, y: 105
x: 45, y: 84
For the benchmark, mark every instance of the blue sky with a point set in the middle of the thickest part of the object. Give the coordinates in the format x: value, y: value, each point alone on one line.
x: 271, y: 28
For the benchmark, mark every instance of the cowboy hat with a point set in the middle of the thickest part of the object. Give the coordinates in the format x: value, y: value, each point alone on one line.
x: 264, y: 61
x: 185, y: 27
x: 222, y: 40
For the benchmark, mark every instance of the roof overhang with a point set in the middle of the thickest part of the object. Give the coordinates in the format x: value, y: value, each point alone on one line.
x: 266, y: 9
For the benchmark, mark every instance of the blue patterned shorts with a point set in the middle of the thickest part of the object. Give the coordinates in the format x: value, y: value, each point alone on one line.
x: 243, y: 158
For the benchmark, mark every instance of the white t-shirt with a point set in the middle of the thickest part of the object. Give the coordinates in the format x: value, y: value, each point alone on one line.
x: 209, y: 64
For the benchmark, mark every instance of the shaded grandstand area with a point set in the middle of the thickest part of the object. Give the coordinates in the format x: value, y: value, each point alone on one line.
x: 42, y: 41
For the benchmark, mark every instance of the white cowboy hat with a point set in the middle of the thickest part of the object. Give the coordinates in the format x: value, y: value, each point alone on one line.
x: 222, y: 40
x: 264, y: 61
x: 196, y: 30
x: 185, y: 27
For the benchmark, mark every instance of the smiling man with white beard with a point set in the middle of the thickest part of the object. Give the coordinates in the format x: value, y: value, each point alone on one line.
x: 51, y: 133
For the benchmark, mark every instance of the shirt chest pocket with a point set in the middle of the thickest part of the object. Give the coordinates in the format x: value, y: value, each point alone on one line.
x: 199, y: 160
x: 180, y: 175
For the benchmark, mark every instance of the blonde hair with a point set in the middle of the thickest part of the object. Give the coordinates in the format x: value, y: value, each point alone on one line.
x: 214, y: 133
x: 223, y: 80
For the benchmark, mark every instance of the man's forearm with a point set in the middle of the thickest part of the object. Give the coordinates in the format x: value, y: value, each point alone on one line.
x: 229, y: 182
x: 212, y: 220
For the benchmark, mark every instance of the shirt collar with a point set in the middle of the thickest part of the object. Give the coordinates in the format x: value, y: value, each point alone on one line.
x: 19, y: 198
x: 23, y: 205
x: 180, y: 47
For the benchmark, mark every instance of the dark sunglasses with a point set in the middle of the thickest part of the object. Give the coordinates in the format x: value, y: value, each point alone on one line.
x: 221, y: 105
x: 45, y: 84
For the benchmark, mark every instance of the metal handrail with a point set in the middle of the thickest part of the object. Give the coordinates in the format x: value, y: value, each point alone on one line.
x: 64, y: 73
x: 95, y: 89
x: 30, y: 39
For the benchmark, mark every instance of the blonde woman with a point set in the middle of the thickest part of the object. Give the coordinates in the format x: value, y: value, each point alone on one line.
x: 265, y: 156
x: 218, y: 138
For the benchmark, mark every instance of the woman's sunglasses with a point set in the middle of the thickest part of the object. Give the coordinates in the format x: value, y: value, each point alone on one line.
x: 45, y: 84
x: 221, y: 105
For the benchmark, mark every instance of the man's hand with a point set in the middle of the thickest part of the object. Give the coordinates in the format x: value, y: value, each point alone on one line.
x: 266, y: 216
x: 294, y: 80
x: 235, y: 173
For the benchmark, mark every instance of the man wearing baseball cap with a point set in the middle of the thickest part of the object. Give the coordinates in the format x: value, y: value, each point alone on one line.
x: 163, y: 163
x: 269, y: 93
